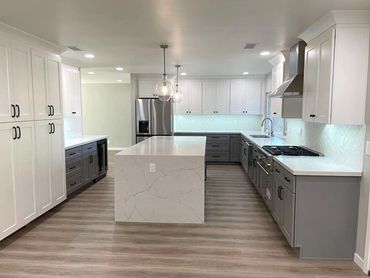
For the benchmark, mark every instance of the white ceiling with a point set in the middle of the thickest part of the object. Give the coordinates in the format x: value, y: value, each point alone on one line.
x: 104, y: 76
x: 205, y: 36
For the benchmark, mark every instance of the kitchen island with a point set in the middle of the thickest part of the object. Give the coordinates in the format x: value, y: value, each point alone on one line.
x: 161, y: 180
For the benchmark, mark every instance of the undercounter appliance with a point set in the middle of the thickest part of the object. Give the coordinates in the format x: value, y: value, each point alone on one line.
x: 153, y: 118
x: 262, y: 166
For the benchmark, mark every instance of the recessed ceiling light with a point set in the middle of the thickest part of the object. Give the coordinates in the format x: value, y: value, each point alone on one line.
x: 183, y: 73
x: 119, y: 68
x: 265, y: 53
x: 119, y: 80
x: 90, y: 72
x: 89, y: 55
x: 245, y: 73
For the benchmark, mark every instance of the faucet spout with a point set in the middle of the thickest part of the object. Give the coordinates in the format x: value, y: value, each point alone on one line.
x: 271, y: 130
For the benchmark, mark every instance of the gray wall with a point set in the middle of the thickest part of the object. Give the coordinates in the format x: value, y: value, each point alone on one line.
x: 365, y: 185
x: 107, y: 110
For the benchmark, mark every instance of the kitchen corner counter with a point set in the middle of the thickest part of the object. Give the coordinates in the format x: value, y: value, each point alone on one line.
x: 79, y: 141
x: 316, y: 166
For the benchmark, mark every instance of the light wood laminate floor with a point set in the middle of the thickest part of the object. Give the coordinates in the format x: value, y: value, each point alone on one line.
x: 239, y: 239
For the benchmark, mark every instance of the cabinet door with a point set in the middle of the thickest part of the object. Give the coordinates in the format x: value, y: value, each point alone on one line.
x: 54, y: 86
x: 39, y: 82
x: 223, y: 97
x: 195, y: 97
x: 24, y: 177
x: 276, y: 107
x: 324, y: 90
x: 183, y: 106
x: 93, y: 166
x: 253, y: 96
x: 22, y: 81
x: 209, y: 97
x: 5, y: 84
x: 71, y: 88
x: 278, y: 204
x: 288, y: 216
x: 235, y: 148
x: 8, y: 219
x: 43, y: 160
x: 57, y: 164
x: 311, y: 75
x: 147, y: 88
x: 237, y: 97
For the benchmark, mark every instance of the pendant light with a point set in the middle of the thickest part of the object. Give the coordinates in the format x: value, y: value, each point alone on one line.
x: 177, y: 96
x: 164, y: 88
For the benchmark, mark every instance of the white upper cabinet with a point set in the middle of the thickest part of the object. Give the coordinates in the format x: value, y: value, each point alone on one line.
x: 55, y: 86
x: 216, y: 97
x: 22, y: 82
x: 246, y: 97
x: 192, y: 97
x: 71, y: 88
x: 146, y: 88
x: 182, y: 107
x: 5, y: 84
x: 336, y: 68
x: 46, y: 77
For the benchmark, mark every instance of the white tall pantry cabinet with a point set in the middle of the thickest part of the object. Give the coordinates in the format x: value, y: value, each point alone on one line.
x: 31, y: 133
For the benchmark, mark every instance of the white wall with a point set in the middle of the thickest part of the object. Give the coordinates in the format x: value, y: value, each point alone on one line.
x: 107, y: 110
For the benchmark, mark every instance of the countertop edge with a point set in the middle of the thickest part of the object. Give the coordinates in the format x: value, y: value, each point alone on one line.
x: 83, y: 141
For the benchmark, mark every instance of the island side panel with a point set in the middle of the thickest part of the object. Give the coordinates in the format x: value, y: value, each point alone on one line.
x: 174, y: 193
x: 326, y: 216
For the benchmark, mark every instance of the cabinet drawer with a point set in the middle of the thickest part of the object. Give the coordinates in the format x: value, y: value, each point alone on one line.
x: 285, y: 176
x: 73, y: 165
x: 73, y: 153
x: 218, y: 138
x: 217, y: 156
x: 74, y: 182
x: 216, y: 146
x: 89, y: 147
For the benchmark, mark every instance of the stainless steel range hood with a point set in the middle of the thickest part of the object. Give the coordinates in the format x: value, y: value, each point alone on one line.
x: 293, y: 86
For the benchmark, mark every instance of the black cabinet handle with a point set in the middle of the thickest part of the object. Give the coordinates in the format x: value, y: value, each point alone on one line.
x: 277, y: 170
x: 312, y: 115
x: 280, y: 189
x: 72, y: 154
x: 244, y: 151
x: 274, y: 113
x: 52, y: 110
x: 18, y: 113
x: 13, y: 110
x: 73, y: 183
x: 285, y: 178
x: 215, y: 156
x: 91, y: 159
x: 71, y: 168
x: 19, y: 132
x: 215, y: 146
x: 50, y: 128
x: 49, y: 110
x: 15, y: 133
x: 53, y: 125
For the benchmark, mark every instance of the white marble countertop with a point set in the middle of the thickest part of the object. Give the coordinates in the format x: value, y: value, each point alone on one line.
x: 168, y: 146
x: 75, y: 142
x: 297, y: 165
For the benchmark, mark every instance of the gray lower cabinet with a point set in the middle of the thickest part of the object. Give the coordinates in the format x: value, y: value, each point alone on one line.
x: 235, y: 148
x: 316, y: 214
x: 85, y: 164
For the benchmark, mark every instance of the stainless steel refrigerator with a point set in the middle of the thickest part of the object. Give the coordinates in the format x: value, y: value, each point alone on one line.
x: 153, y: 118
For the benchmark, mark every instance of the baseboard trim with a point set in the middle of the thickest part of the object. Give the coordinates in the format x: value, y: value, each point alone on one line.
x: 358, y: 260
x: 115, y: 149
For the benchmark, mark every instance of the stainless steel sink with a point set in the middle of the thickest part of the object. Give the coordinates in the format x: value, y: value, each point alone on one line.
x: 259, y: 136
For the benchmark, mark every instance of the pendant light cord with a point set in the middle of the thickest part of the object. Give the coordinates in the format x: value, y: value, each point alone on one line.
x: 164, y: 62
x: 177, y: 78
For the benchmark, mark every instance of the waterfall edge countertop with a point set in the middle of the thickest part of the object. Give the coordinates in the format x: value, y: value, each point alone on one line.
x: 79, y: 141
x: 168, y: 146
x: 297, y: 165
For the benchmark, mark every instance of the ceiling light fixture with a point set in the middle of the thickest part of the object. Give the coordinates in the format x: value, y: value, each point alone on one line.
x: 245, y: 73
x: 177, y: 96
x: 89, y: 56
x: 164, y: 88
x: 90, y: 72
x: 119, y: 80
x: 265, y: 53
x: 119, y: 68
x: 183, y: 74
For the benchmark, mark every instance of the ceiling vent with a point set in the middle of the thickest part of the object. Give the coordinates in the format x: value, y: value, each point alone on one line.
x: 74, y: 48
x: 250, y: 46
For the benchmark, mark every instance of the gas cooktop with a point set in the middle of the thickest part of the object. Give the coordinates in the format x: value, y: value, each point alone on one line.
x: 290, y: 150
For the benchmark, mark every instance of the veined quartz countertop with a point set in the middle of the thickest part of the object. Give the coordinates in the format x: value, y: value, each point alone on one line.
x: 297, y: 165
x: 75, y: 142
x: 168, y: 146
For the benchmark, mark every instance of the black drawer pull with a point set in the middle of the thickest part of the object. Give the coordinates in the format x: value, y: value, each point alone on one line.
x: 277, y: 170
x: 288, y: 180
x: 73, y: 183
x: 72, y: 154
x: 89, y: 148
x: 215, y: 146
x: 71, y: 168
x: 312, y: 115
x: 215, y: 137
x: 215, y: 156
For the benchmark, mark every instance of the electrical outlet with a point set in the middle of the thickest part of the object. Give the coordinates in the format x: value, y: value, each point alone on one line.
x: 368, y: 148
x: 151, y: 167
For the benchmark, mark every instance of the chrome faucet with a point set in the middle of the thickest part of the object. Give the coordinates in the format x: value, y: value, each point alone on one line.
x: 271, y: 130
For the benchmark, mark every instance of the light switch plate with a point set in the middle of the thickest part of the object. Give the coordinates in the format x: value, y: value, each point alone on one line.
x: 368, y: 148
